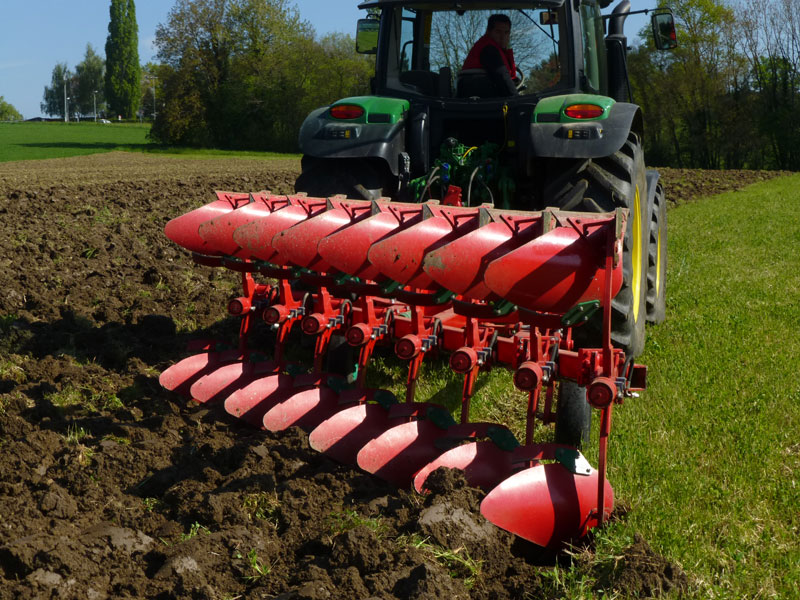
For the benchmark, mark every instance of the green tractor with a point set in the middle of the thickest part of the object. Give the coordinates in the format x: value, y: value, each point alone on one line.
x: 567, y: 137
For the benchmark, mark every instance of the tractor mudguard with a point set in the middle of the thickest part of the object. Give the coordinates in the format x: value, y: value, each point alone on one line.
x: 322, y: 137
x: 652, y: 177
x: 589, y: 139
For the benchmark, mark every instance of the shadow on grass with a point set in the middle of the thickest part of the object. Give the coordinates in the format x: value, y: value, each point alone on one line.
x: 100, y: 146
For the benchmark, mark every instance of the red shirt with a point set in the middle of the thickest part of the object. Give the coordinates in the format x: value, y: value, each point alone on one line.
x: 473, y: 60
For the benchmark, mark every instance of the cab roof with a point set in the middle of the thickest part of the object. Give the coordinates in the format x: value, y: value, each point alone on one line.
x: 459, y: 4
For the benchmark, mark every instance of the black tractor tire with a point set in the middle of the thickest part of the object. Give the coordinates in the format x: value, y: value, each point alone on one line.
x: 358, y: 179
x: 657, y: 259
x: 573, y: 415
x: 603, y: 185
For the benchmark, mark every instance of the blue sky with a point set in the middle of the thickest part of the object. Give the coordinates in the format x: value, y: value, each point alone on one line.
x: 37, y: 34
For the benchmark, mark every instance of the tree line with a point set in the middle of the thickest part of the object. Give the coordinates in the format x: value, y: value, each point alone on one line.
x: 245, y: 73
x: 728, y: 96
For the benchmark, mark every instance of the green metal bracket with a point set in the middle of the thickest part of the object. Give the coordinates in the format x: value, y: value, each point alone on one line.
x: 295, y: 370
x: 337, y: 384
x: 390, y: 286
x: 257, y: 357
x: 502, y: 438
x: 443, y: 296
x: 440, y: 417
x: 385, y: 398
x: 580, y: 313
x: 353, y: 375
x: 344, y: 278
x: 300, y: 271
x: 573, y: 461
x: 503, y: 307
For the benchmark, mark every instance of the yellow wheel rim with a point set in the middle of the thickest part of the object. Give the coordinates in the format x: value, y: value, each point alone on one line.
x: 658, y: 264
x: 636, y: 254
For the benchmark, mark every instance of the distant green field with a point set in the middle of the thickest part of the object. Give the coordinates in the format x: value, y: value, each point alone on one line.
x: 32, y: 141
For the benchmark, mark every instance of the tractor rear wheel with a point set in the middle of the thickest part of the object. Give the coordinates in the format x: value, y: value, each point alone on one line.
x: 573, y: 415
x: 657, y: 259
x: 603, y: 185
x: 355, y: 178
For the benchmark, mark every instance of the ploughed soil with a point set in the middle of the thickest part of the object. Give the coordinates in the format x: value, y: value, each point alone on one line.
x: 112, y: 487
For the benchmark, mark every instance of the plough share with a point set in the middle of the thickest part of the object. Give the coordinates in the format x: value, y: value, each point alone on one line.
x: 490, y: 287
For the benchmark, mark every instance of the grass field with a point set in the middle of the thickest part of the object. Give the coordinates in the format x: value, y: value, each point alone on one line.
x: 709, y: 456
x: 31, y: 141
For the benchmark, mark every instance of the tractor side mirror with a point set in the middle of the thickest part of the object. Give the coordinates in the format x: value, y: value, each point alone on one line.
x: 367, y: 36
x: 664, y: 30
x: 548, y: 17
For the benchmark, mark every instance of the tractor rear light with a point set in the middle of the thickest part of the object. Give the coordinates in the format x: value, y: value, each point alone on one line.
x: 584, y: 111
x: 239, y: 306
x: 408, y: 347
x: 528, y: 377
x: 346, y: 111
x: 464, y: 360
x: 358, y: 334
x: 313, y: 324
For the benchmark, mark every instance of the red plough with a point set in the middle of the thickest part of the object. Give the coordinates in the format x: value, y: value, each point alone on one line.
x: 490, y: 287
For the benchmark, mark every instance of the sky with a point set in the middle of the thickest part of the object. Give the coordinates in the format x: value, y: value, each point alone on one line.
x: 35, y: 35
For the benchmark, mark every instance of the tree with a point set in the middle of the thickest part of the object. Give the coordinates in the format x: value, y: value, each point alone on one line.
x: 245, y: 73
x: 8, y: 112
x: 53, y: 103
x: 90, y: 82
x: 692, y: 96
x: 771, y: 40
x: 122, y: 59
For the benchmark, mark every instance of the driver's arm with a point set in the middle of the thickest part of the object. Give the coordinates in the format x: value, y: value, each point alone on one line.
x: 497, y: 71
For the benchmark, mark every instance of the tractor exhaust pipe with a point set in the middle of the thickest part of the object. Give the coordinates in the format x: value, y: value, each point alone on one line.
x: 616, y: 24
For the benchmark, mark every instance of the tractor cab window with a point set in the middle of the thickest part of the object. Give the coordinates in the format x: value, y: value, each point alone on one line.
x: 429, y: 48
x: 594, y: 50
x: 406, y: 41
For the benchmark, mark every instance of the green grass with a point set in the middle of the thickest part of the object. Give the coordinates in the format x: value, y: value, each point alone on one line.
x: 350, y: 519
x: 75, y: 434
x: 32, y: 141
x: 262, y: 505
x: 194, y: 530
x: 708, y: 457
x: 458, y: 562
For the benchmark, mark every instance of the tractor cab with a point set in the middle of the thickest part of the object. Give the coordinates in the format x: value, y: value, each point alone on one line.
x: 421, y: 49
x: 568, y: 73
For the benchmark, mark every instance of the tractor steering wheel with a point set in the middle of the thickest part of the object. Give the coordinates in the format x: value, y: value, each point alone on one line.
x: 521, y: 81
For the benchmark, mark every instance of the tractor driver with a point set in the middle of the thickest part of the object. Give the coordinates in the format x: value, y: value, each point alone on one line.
x: 489, y: 69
